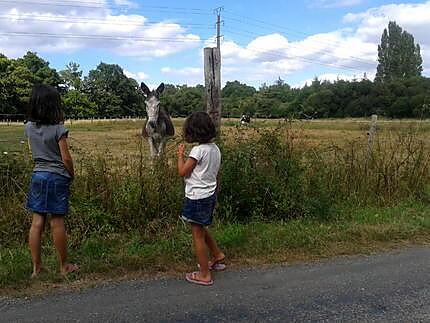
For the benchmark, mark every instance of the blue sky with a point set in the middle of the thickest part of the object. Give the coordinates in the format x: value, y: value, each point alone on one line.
x: 163, y: 41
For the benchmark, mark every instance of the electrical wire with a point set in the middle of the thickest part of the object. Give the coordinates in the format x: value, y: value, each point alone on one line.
x: 264, y: 25
x: 92, y: 5
x: 104, y: 37
x: 278, y: 55
x: 76, y: 20
x: 368, y: 63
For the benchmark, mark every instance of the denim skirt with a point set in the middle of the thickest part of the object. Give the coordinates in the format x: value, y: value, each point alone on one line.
x: 49, y: 193
x: 199, y: 211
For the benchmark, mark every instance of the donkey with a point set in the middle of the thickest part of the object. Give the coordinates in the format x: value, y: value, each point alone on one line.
x: 158, y: 125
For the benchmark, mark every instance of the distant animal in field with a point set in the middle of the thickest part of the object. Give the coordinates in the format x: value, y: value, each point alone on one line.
x: 245, y: 119
x: 158, y: 126
x: 309, y: 116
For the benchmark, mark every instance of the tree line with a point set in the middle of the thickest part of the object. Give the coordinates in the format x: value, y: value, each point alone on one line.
x: 398, y: 91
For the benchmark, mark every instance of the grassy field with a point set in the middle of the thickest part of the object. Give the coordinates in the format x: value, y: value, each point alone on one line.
x: 331, y: 205
x: 122, y: 136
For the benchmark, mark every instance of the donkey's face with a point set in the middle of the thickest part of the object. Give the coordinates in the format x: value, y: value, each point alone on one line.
x: 152, y: 102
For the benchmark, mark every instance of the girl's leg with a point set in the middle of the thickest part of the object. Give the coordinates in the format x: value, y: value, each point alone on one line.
x: 201, y: 251
x: 216, y: 253
x: 34, y: 241
x: 59, y: 237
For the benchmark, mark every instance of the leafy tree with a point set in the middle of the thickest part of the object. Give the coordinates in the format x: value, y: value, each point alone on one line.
x: 320, y: 104
x: 72, y: 76
x: 398, y: 55
x: 237, y: 90
x: 107, y: 92
x: 40, y: 70
x: 113, y: 93
x: 18, y: 77
x: 18, y: 82
x: 181, y: 100
x: 4, y: 93
x: 235, y: 99
x: 77, y: 105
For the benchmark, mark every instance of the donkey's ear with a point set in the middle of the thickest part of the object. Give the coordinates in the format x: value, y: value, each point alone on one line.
x: 145, y: 89
x: 159, y: 89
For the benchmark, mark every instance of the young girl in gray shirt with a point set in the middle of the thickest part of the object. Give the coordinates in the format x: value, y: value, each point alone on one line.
x: 52, y: 174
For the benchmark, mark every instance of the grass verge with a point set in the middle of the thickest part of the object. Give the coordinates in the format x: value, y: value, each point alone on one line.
x: 353, y: 231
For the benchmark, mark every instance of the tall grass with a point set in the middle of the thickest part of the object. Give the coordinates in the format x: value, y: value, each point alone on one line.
x: 397, y: 168
x: 267, y: 174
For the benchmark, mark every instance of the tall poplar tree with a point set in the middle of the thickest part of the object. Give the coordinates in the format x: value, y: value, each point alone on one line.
x: 398, y: 56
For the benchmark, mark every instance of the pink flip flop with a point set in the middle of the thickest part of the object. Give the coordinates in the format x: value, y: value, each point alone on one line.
x: 192, y: 278
x: 216, y: 266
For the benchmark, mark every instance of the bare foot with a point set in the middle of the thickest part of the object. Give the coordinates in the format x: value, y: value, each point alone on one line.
x: 197, y: 278
x: 36, y: 272
x: 69, y: 268
x: 217, y: 259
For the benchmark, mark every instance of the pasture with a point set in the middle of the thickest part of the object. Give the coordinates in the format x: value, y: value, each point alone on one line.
x: 289, y: 191
x: 122, y: 136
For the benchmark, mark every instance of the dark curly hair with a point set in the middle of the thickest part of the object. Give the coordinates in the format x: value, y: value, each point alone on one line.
x: 199, y: 127
x: 45, y: 106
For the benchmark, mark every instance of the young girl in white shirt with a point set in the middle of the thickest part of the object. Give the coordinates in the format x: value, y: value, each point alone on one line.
x: 200, y: 171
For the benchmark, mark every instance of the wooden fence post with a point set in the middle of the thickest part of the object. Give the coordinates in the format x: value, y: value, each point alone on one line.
x: 372, y: 134
x: 212, y: 58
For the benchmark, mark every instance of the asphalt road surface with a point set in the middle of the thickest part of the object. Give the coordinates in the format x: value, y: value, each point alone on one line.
x: 389, y: 287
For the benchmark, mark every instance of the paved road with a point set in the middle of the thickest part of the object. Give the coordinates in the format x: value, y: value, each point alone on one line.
x: 391, y: 287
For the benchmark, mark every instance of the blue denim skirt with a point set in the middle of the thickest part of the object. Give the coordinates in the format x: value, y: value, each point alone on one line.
x: 49, y: 193
x: 199, y: 211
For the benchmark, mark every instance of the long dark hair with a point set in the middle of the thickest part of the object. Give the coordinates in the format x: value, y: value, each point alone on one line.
x: 45, y: 106
x: 199, y: 127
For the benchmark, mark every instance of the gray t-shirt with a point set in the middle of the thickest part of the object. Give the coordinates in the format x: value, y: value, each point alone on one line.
x: 44, y: 147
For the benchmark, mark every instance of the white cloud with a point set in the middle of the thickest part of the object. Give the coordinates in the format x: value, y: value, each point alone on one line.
x: 414, y: 18
x: 335, y: 3
x: 138, y: 76
x: 352, y: 49
x: 24, y: 27
x: 125, y: 3
x: 331, y: 77
x: 186, y: 75
x: 192, y: 71
x: 271, y: 56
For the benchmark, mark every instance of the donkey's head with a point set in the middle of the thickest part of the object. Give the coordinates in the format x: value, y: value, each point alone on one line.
x: 152, y: 101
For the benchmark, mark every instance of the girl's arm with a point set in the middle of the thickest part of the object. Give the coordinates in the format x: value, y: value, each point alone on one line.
x: 185, y: 167
x: 65, y: 156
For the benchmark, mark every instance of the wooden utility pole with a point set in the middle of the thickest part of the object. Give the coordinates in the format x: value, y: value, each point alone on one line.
x: 213, y: 84
x: 212, y: 67
x: 218, y: 27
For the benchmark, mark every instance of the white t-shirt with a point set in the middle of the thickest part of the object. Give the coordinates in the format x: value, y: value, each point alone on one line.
x: 203, y: 179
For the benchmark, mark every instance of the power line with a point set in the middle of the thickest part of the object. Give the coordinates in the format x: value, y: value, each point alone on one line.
x: 75, y: 20
x: 190, y: 10
x: 104, y: 37
x: 330, y: 46
x: 360, y: 61
x: 272, y: 54
x: 263, y: 25
x: 278, y: 55
x: 92, y: 5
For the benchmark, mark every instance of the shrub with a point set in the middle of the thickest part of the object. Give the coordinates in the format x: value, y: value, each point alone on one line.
x: 267, y: 174
x: 266, y: 177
